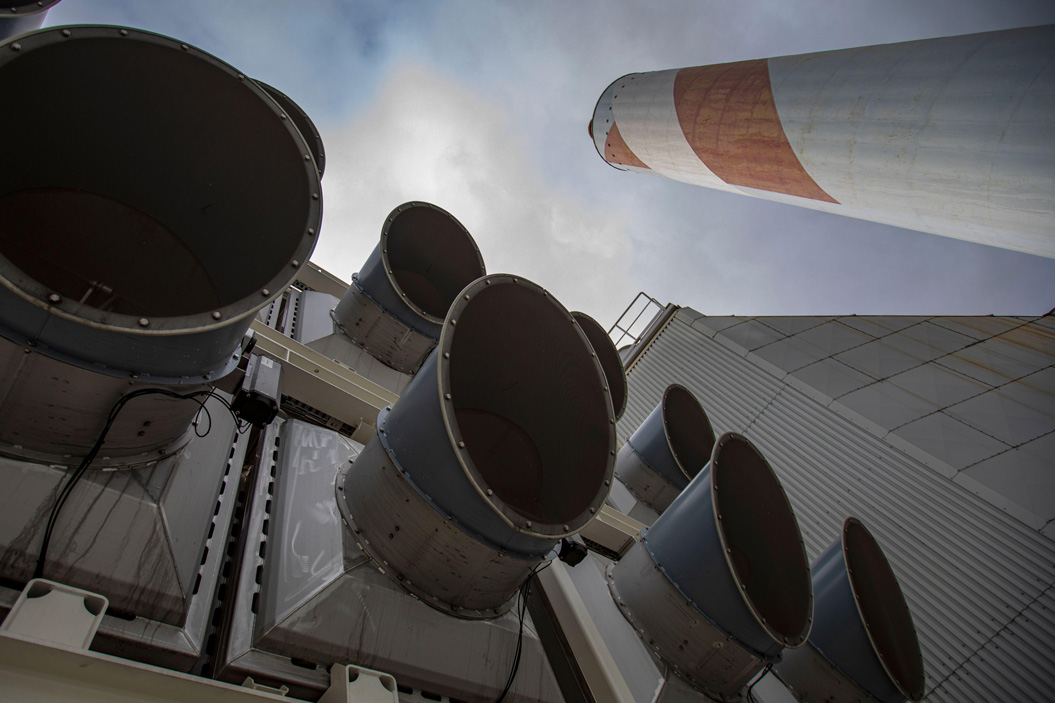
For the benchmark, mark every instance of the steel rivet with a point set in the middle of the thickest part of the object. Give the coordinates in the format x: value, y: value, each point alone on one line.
x: 294, y: 263
x: 593, y: 510
x: 143, y: 322
x: 265, y: 292
x: 490, y: 492
x: 311, y: 231
x: 466, y: 297
x: 55, y: 298
x: 565, y: 528
x: 216, y: 315
x: 447, y: 396
x: 124, y: 32
x: 454, y: 322
x: 528, y: 523
x: 314, y: 196
x: 184, y: 47
x: 612, y: 452
x: 607, y: 482
x: 16, y: 47
x: 241, y: 77
x: 65, y: 32
x: 461, y: 444
x: 446, y: 355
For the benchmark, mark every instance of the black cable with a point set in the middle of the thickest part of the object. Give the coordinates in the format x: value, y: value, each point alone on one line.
x: 38, y: 572
x: 751, y: 698
x: 522, y: 596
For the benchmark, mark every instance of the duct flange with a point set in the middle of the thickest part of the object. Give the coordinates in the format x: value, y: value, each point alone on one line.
x: 506, y: 435
x: 20, y: 16
x: 608, y: 355
x: 396, y: 304
x: 667, y: 450
x: 719, y: 585
x: 126, y: 253
x: 303, y: 123
x: 863, y: 646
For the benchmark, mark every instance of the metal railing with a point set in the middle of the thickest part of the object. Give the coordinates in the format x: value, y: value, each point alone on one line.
x: 625, y: 332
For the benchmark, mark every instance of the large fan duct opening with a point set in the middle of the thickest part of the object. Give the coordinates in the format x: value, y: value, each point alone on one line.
x: 501, y: 445
x: 396, y: 304
x: 720, y: 585
x: 863, y: 645
x: 608, y: 355
x: 157, y: 200
x: 667, y: 450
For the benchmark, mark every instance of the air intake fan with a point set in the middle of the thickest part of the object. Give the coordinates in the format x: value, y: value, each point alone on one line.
x: 863, y: 646
x: 720, y: 584
x: 501, y: 445
x: 667, y: 450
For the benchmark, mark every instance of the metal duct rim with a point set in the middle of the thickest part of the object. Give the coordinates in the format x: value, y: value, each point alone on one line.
x: 25, y: 8
x: 856, y: 538
x: 386, y: 263
x: 608, y: 356
x: 302, y: 121
x: 674, y: 422
x: 716, y: 467
x: 509, y: 515
x: 43, y: 308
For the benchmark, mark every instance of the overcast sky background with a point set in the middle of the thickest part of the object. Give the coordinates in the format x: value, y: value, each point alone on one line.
x: 482, y: 108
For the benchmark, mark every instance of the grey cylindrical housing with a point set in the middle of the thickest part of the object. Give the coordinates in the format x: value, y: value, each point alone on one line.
x: 863, y: 643
x: 667, y: 450
x: 303, y: 123
x: 729, y: 550
x: 21, y: 16
x: 609, y: 358
x: 506, y: 435
x: 140, y: 232
x: 397, y: 301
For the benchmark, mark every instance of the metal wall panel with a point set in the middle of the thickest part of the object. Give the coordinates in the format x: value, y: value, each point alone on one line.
x: 973, y: 574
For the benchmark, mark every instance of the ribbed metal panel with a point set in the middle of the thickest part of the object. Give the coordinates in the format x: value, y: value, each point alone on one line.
x: 977, y: 580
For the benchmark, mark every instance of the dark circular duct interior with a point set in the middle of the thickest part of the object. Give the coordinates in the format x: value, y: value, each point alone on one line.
x: 688, y: 430
x: 430, y: 257
x: 883, y: 609
x: 148, y: 180
x: 303, y: 123
x: 761, y: 539
x: 529, y: 406
x: 611, y: 364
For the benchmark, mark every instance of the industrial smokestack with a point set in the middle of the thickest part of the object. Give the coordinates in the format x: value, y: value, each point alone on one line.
x: 951, y: 136
x: 395, y: 307
x: 608, y: 356
x: 720, y: 584
x: 140, y: 231
x: 667, y: 450
x: 863, y: 646
x: 501, y: 445
x: 21, y: 16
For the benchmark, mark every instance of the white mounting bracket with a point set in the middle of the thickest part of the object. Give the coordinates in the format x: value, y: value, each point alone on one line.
x: 57, y: 614
x: 354, y: 684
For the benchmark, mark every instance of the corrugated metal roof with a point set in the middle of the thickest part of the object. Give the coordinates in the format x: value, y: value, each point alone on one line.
x: 978, y: 580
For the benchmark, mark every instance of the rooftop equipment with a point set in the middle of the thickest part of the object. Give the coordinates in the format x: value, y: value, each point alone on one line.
x: 863, y: 646
x: 720, y: 585
x: 395, y: 307
x: 21, y: 16
x: 667, y: 450
x: 608, y: 356
x: 501, y: 445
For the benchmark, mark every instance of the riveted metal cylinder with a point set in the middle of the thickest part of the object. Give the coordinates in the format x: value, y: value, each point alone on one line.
x: 505, y: 436
x: 608, y: 355
x: 21, y: 16
x: 141, y: 231
x: 396, y: 304
x: 667, y: 450
x: 728, y: 554
x: 302, y: 122
x: 863, y: 645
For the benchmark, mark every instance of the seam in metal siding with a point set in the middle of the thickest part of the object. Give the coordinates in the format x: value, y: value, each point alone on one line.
x: 979, y: 582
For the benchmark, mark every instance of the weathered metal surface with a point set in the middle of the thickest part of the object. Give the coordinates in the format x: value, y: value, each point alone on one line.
x: 686, y: 638
x: 862, y: 627
x: 306, y: 593
x: 379, y: 333
x: 972, y: 585
x: 136, y: 535
x: 21, y: 16
x: 950, y: 136
x: 670, y: 447
x: 120, y: 260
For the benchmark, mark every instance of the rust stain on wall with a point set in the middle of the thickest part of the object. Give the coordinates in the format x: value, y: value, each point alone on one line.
x: 730, y: 120
x: 617, y: 151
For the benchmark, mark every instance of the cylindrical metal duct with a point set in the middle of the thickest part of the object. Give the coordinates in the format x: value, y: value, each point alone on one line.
x: 395, y: 307
x: 140, y: 231
x: 21, y: 16
x: 863, y: 646
x: 303, y: 123
x: 667, y: 450
x: 951, y: 136
x: 501, y: 445
x: 720, y: 584
x: 609, y: 357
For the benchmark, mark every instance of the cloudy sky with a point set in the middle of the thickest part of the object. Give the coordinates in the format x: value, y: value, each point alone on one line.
x: 482, y: 108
